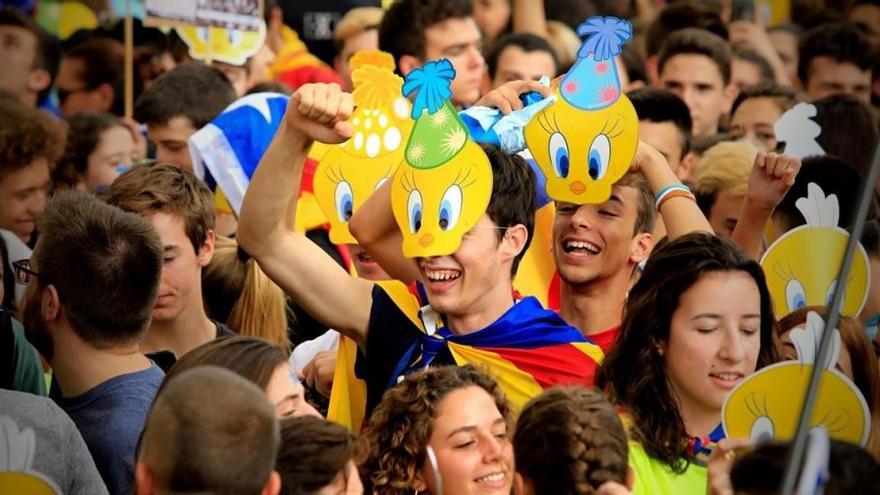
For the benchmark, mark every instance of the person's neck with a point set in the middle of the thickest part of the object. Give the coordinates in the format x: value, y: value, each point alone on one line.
x: 487, y: 310
x: 181, y: 334
x: 699, y: 422
x: 596, y: 306
x: 30, y: 99
x: 80, y: 367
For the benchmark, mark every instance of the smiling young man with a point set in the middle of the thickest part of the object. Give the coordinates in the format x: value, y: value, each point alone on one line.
x: 416, y: 31
x: 30, y: 141
x: 181, y: 209
x: 470, y: 290
x: 695, y: 65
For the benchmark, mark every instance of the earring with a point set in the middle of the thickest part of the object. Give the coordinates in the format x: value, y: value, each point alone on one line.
x: 659, y: 350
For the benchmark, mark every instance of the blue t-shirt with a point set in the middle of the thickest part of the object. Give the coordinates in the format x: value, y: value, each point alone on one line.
x: 110, y: 417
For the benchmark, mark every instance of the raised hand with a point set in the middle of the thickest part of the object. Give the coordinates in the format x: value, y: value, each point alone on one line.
x: 771, y: 178
x: 506, y: 97
x: 319, y: 112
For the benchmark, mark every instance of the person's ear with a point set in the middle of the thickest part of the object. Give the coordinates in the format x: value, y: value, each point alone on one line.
x: 408, y: 63
x: 651, y: 69
x: 50, y: 305
x: 418, y: 483
x: 206, y: 251
x: 730, y: 92
x: 641, y: 247
x: 514, y: 241
x: 106, y: 96
x: 144, y: 481
x: 38, y: 80
x: 686, y: 165
x: 273, y: 484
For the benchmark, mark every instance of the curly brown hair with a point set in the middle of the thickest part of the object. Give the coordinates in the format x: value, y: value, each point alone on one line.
x: 569, y: 441
x: 401, y: 425
x: 27, y: 134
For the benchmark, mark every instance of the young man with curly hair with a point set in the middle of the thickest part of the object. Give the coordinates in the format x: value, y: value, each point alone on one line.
x: 30, y: 142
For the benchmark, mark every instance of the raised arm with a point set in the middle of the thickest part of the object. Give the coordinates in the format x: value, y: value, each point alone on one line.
x: 376, y: 231
x: 305, y: 272
x: 771, y: 178
x: 680, y: 215
x: 528, y: 16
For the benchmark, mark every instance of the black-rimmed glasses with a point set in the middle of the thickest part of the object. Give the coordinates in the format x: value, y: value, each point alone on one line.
x: 23, y: 271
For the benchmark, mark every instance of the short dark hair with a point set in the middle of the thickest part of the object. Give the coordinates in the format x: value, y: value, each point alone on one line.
x: 104, y: 62
x: 513, y: 195
x: 634, y: 371
x: 402, y: 31
x: 634, y: 64
x: 526, y: 42
x: 190, y: 90
x: 147, y: 189
x: 661, y: 105
x: 681, y: 15
x: 48, y: 56
x: 27, y: 134
x: 210, y: 431
x: 757, y: 59
x: 849, y: 130
x: 851, y: 470
x: 695, y: 41
x: 570, y: 439
x: 785, y: 96
x: 105, y: 264
x: 83, y: 135
x: 313, y: 452
x: 840, y: 41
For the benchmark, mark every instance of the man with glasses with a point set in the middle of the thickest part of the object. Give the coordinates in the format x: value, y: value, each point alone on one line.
x: 91, y: 78
x: 91, y: 285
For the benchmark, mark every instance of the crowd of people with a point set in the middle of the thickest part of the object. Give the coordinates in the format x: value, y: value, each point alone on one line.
x: 160, y: 336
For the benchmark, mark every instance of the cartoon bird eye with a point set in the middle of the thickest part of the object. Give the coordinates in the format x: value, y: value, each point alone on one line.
x: 344, y: 201
x: 597, y: 160
x: 450, y: 207
x: 830, y: 295
x: 762, y: 430
x: 379, y: 184
x: 414, y: 209
x: 795, y: 295
x: 559, y: 154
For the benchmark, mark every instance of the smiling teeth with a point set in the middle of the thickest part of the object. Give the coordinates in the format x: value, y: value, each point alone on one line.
x: 583, y: 245
x: 491, y: 478
x: 729, y: 377
x: 441, y: 275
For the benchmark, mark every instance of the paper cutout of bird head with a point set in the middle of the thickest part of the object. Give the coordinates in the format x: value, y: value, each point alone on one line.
x: 444, y: 184
x: 585, y: 141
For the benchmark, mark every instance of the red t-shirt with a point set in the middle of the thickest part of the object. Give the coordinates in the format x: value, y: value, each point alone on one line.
x: 606, y: 338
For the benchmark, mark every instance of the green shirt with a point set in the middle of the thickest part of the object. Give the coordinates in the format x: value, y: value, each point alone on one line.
x: 28, y: 375
x: 653, y: 477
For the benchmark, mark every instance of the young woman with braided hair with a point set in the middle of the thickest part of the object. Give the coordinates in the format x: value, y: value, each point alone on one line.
x: 569, y: 441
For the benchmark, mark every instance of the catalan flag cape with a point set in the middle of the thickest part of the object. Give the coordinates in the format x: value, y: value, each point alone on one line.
x: 527, y: 350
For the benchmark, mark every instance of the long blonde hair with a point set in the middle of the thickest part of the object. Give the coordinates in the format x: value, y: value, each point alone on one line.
x: 236, y: 291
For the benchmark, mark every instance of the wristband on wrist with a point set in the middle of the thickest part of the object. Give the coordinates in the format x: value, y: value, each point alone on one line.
x: 679, y: 189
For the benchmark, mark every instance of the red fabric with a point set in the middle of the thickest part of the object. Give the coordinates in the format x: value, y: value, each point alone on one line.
x: 307, y: 74
x: 606, y: 339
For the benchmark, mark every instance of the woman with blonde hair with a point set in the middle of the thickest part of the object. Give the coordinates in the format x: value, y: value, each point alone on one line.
x: 237, y: 292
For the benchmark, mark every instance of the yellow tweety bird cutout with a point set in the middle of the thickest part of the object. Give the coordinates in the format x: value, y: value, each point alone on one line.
x: 230, y: 46
x: 444, y: 184
x: 349, y: 173
x: 801, y: 266
x: 585, y: 140
x: 17, y: 449
x: 767, y: 405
